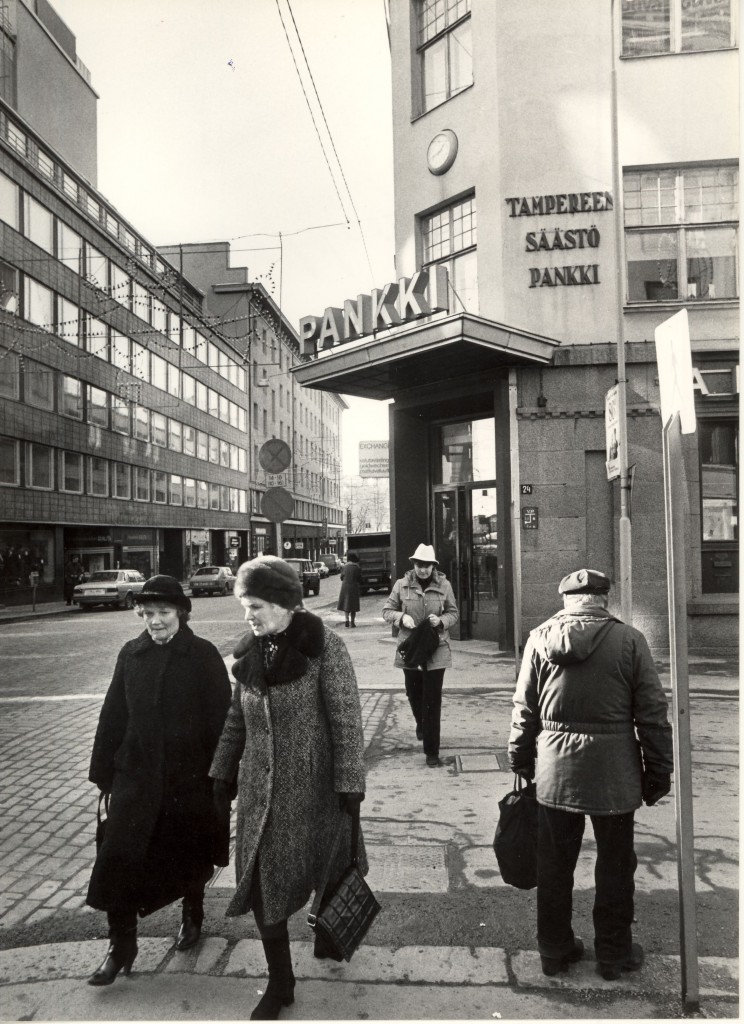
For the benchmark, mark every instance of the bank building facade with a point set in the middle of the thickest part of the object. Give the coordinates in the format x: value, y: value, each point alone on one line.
x: 566, y: 179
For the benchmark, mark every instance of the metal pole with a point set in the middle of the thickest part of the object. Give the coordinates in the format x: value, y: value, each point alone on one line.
x: 516, y: 539
x: 626, y: 554
x: 674, y: 506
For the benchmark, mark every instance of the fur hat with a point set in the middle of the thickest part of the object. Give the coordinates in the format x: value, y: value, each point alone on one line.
x: 164, y: 589
x: 423, y: 553
x: 585, y: 581
x: 270, y: 579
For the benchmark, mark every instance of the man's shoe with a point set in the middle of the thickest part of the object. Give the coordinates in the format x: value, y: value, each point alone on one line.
x: 419, y: 732
x: 552, y: 965
x: 611, y: 972
x: 433, y: 762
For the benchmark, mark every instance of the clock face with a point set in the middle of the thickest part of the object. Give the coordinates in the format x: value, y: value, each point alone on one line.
x: 442, y: 151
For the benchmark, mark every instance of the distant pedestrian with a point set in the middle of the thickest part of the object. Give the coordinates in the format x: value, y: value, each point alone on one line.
x: 423, y: 593
x: 157, y: 733
x: 590, y: 715
x: 73, y: 575
x: 351, y: 580
x: 293, y: 739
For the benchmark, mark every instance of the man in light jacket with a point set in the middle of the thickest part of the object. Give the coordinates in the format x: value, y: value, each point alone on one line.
x: 590, y: 724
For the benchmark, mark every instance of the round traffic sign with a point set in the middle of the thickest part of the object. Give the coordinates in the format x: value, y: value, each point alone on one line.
x: 277, y: 504
x: 287, y: 545
x: 274, y: 456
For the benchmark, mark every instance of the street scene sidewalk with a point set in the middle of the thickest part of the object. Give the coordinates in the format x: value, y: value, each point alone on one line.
x: 452, y: 940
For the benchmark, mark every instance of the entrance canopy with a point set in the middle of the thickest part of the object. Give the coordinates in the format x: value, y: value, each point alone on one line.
x: 437, y: 351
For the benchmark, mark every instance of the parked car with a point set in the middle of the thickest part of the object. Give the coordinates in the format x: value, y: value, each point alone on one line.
x: 322, y: 569
x: 333, y: 562
x: 212, y: 579
x: 109, y: 586
x: 308, y: 574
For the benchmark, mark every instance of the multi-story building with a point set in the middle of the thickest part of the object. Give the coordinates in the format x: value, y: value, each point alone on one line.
x: 308, y: 421
x: 574, y: 167
x: 125, y: 429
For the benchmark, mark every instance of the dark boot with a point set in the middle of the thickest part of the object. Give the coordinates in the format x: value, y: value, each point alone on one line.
x: 280, y: 989
x: 192, y: 917
x: 611, y: 972
x: 122, y: 949
x: 552, y: 965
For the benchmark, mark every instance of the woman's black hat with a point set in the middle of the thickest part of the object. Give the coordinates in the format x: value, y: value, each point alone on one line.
x: 166, y: 589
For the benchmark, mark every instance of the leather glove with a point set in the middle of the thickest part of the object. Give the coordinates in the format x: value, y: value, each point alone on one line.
x: 526, y: 771
x: 655, y: 787
x: 221, y: 797
x: 350, y: 802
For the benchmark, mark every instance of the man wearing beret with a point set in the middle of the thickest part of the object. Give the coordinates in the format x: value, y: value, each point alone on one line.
x: 590, y: 725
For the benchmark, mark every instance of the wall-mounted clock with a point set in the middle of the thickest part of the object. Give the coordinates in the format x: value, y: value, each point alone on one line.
x: 442, y: 151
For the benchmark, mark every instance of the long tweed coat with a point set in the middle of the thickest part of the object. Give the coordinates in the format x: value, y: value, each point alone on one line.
x: 295, y: 734
x: 157, y: 732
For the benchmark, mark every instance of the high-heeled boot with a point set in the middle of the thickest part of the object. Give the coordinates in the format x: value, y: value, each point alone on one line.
x: 192, y: 918
x: 122, y: 949
x: 280, y: 989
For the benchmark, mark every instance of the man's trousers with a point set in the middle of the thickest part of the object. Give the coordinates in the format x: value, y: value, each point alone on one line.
x: 558, y: 845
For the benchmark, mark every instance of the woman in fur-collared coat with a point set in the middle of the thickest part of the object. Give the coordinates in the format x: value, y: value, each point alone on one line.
x: 293, y: 739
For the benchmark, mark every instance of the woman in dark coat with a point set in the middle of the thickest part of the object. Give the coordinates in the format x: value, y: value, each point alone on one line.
x: 293, y: 739
x: 157, y: 733
x: 351, y: 579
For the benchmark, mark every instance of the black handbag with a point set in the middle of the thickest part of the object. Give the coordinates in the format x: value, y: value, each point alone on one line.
x: 515, y: 842
x: 342, y: 918
x: 101, y: 822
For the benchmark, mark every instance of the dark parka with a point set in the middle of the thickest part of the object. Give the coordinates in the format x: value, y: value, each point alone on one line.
x: 590, y: 704
x: 158, y: 729
x: 411, y: 596
x: 293, y: 737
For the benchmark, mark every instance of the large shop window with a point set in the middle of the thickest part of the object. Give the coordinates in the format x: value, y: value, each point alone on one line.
x: 445, y: 47
x: 675, y: 26
x: 681, y: 227
x: 449, y: 237
x: 718, y: 445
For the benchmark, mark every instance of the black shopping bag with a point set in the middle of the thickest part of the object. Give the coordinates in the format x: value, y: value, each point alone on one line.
x: 515, y: 842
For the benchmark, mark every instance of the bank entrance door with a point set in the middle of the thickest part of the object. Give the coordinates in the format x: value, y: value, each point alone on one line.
x: 465, y: 540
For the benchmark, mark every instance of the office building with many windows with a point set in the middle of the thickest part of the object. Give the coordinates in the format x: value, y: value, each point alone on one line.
x: 573, y: 166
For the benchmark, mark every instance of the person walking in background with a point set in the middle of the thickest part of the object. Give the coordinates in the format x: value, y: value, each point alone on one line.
x: 72, y: 576
x: 294, y: 733
x: 348, y: 598
x: 590, y: 724
x: 424, y: 593
x: 158, y: 729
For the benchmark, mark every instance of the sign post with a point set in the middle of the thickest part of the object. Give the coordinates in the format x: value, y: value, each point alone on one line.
x: 277, y: 503
x: 678, y: 417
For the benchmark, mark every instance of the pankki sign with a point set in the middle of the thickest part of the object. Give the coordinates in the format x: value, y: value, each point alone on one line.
x: 395, y: 304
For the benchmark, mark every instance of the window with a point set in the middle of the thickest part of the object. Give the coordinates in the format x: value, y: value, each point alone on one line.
x: 95, y: 266
x: 201, y: 348
x: 242, y: 419
x: 213, y: 402
x: 119, y: 285
x: 68, y: 321
x: 38, y: 385
x: 9, y: 374
x: 71, y: 472
x: 225, y: 454
x: 97, y: 477
x: 119, y: 414
x: 97, y: 338
x: 174, y: 331
x: 38, y: 223
x: 201, y: 396
x: 10, y: 472
x: 39, y: 471
x: 214, y: 449
x: 141, y: 484
x: 69, y: 247
x: 122, y: 481
x: 213, y: 355
x: 159, y: 429
x: 140, y: 362
x: 675, y: 26
x: 445, y: 49
x: 38, y: 304
x: 71, y: 398
x: 140, y: 301
x: 158, y: 372
x: 97, y: 406
x: 189, y: 389
x: 681, y: 233
x: 189, y: 492
x: 8, y: 288
x: 242, y: 460
x: 718, y: 445
x: 9, y: 202
x: 176, y: 489
x: 142, y: 423
x: 242, y: 502
x: 233, y: 456
x: 214, y: 497
x: 120, y: 351
x: 449, y: 237
x: 224, y: 409
x: 175, y: 436
x: 202, y: 494
x: 174, y: 381
x: 224, y: 498
x: 189, y: 340
x: 189, y: 440
x: 160, y: 487
x: 202, y: 445
x: 159, y: 316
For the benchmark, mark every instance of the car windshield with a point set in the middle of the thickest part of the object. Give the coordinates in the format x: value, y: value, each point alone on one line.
x: 103, y: 577
x: 209, y: 571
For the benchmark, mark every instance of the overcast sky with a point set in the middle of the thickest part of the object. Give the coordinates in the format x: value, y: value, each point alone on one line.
x: 204, y: 134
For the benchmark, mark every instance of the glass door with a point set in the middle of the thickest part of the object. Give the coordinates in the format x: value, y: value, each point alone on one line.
x: 449, y: 509
x: 484, y: 595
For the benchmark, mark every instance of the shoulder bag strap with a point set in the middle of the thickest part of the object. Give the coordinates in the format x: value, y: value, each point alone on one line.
x: 320, y: 891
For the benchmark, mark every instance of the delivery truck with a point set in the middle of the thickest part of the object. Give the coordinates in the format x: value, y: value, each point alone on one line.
x: 374, y: 554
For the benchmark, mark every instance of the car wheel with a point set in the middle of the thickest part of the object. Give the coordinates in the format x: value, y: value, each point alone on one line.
x: 129, y: 601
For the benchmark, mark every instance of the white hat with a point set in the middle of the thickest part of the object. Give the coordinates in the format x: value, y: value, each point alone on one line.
x: 424, y: 553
